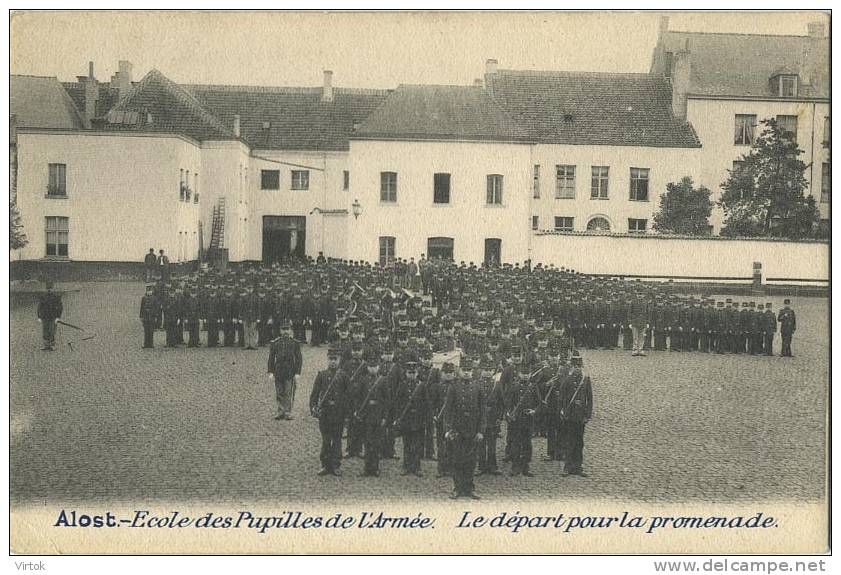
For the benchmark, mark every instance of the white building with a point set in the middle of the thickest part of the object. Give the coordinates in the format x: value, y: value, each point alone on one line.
x: 105, y: 170
x: 725, y: 84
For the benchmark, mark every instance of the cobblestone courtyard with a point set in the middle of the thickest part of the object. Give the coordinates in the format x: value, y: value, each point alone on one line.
x: 107, y: 420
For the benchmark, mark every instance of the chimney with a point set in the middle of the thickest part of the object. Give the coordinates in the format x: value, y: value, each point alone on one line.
x: 91, y: 95
x: 681, y: 69
x: 817, y: 29
x: 236, y: 125
x: 327, y: 90
x: 664, y: 25
x: 491, y: 66
x: 124, y: 78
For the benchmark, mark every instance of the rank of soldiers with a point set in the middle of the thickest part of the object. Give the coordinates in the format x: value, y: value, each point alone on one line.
x: 517, y: 333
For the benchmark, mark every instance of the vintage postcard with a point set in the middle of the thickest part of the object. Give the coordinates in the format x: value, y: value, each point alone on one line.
x: 419, y: 282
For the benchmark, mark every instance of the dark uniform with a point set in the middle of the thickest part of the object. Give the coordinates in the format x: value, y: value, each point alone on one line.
x: 410, y: 408
x: 769, y: 328
x: 149, y: 313
x: 50, y: 309
x: 520, y: 401
x: 285, y: 363
x: 327, y: 402
x: 494, y: 408
x: 372, y: 409
x: 788, y: 325
x: 576, y: 403
x: 464, y: 420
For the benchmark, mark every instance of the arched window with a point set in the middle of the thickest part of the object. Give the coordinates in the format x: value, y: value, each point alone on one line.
x: 598, y: 224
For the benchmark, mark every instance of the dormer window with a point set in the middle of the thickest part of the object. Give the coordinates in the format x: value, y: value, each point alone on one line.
x: 784, y: 85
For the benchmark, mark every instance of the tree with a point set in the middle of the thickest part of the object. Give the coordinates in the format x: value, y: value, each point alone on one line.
x: 763, y: 196
x: 17, y: 239
x: 684, y: 209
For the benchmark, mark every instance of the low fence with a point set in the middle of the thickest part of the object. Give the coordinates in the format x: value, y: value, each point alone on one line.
x: 80, y: 271
x: 803, y: 264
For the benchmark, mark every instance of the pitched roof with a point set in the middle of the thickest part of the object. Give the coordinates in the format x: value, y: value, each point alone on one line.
x: 171, y: 107
x: 107, y: 96
x: 441, y: 112
x: 41, y: 102
x: 588, y: 108
x: 297, y: 117
x: 743, y: 64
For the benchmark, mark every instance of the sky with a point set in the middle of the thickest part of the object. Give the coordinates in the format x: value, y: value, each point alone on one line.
x: 364, y: 50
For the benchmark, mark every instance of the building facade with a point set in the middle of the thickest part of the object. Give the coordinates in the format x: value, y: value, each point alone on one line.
x: 103, y: 171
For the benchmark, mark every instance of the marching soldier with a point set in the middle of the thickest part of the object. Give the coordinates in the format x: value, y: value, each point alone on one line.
x: 211, y: 310
x: 494, y: 408
x: 149, y: 313
x: 410, y: 406
x: 284, y: 366
x: 464, y: 420
x: 520, y: 403
x: 327, y: 403
x: 191, y: 313
x: 769, y: 325
x: 576, y: 403
x: 788, y: 325
x: 371, y: 413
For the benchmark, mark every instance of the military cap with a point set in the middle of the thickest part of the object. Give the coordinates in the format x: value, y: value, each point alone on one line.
x: 786, y: 302
x: 410, y: 366
x: 752, y: 304
x: 720, y: 304
x: 467, y: 361
x: 149, y: 287
x: 760, y: 306
x: 768, y: 304
x: 448, y: 367
x: 284, y: 323
x: 333, y: 349
x: 744, y: 304
x: 729, y: 300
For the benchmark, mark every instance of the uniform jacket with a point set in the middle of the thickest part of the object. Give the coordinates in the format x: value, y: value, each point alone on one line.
x: 788, y: 321
x: 464, y: 412
x: 576, y: 406
x: 330, y: 389
x: 285, y: 358
x: 411, y: 404
x: 149, y: 308
x: 50, y: 307
x: 372, y: 398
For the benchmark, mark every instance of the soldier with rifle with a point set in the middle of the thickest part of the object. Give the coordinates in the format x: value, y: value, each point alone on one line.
x: 327, y: 403
x: 464, y: 420
x: 438, y: 390
x: 371, y: 412
x: 494, y: 408
x: 576, y: 403
x: 520, y: 403
x: 410, y: 403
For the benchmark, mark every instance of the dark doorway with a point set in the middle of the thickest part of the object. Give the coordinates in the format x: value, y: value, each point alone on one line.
x: 440, y: 248
x: 493, y: 251
x: 284, y: 238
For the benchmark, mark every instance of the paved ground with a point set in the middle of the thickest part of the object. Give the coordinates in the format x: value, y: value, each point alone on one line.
x: 110, y: 421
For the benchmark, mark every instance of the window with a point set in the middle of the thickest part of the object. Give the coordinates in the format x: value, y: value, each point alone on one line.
x: 300, y: 179
x: 57, y: 232
x: 387, y: 244
x: 441, y: 191
x: 827, y: 131
x: 598, y: 187
x: 196, y: 188
x: 494, y: 189
x: 598, y: 224
x: 58, y: 180
x: 563, y: 224
x: 668, y: 65
x: 564, y: 182
x: 636, y: 226
x: 745, y: 125
x: 788, y: 85
x: 639, y: 184
x: 388, y: 186
x: 788, y: 124
x: 270, y: 179
x: 536, y: 181
x: 826, y: 182
x: 346, y: 180
x: 535, y: 222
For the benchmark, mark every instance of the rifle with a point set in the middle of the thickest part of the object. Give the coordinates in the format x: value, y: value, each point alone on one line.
x: 399, y: 420
x: 512, y: 415
x: 548, y: 393
x: 323, y: 398
x: 357, y: 415
x: 577, y: 389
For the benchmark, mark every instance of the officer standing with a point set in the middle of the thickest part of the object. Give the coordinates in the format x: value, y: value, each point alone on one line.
x: 410, y: 407
x: 371, y: 412
x: 576, y: 402
x: 327, y: 403
x: 464, y: 420
x: 769, y: 322
x: 493, y: 416
x: 149, y: 313
x: 788, y: 325
x: 284, y: 366
x: 50, y: 309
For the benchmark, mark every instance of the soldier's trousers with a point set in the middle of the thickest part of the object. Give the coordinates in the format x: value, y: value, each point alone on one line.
x: 412, y: 450
x: 786, y: 351
x: 240, y: 331
x: 148, y: 333
x: 331, y: 443
x: 389, y: 438
x: 373, y: 443
x: 464, y: 463
x: 171, y: 333
x: 660, y: 340
x: 553, y: 440
x: 704, y: 342
x: 299, y: 331
x: 355, y: 437
x: 229, y: 334
x: 487, y: 451
x: 263, y: 332
x: 769, y: 343
x: 285, y: 394
x: 521, y: 449
x: 627, y: 338
x: 429, y: 439
x: 316, y: 337
x: 444, y: 460
x: 249, y: 332
x: 573, y: 432
x: 212, y: 332
x: 192, y: 332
